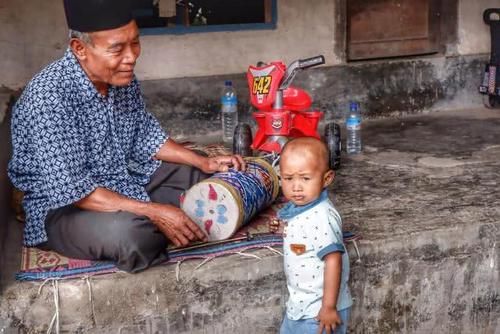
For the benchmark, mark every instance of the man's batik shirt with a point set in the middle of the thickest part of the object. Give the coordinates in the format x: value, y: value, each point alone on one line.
x: 68, y: 139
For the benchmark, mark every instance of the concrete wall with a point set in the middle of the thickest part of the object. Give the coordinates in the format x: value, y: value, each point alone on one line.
x: 33, y: 33
x: 383, y: 89
x: 473, y: 34
x: 187, y: 69
x: 303, y: 30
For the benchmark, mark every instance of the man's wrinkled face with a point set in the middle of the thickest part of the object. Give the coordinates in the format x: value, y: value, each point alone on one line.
x: 111, y: 57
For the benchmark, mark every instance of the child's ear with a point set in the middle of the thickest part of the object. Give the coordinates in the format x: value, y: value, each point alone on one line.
x: 328, y: 178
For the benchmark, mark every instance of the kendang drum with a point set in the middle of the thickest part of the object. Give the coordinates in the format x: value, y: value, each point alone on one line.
x: 223, y: 203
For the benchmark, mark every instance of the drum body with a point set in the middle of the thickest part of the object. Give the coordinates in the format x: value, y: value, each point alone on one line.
x: 223, y: 203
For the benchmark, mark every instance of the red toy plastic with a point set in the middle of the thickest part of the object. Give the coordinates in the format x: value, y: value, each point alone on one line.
x: 283, y: 112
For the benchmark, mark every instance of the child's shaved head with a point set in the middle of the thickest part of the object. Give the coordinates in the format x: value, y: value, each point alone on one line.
x: 304, y: 170
x: 309, y: 148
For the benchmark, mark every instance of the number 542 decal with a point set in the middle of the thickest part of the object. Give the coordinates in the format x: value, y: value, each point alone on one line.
x: 261, y: 85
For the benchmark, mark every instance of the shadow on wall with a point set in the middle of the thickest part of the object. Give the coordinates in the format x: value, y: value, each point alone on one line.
x: 6, y: 101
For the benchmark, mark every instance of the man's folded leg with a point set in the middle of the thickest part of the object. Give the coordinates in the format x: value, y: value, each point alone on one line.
x: 132, y: 241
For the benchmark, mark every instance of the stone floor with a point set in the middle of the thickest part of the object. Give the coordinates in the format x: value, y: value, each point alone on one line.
x: 424, y: 196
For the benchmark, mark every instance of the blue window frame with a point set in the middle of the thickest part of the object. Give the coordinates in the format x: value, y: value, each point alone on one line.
x: 156, y: 17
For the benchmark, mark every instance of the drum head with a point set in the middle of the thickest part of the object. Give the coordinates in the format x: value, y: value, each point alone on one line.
x: 216, y: 210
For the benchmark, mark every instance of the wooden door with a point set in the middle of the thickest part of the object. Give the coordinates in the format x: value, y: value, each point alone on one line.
x: 391, y: 28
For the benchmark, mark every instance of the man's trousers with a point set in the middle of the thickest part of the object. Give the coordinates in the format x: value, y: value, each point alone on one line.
x: 132, y: 241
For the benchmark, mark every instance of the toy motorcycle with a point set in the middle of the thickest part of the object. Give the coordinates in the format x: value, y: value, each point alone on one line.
x: 490, y: 86
x: 283, y: 112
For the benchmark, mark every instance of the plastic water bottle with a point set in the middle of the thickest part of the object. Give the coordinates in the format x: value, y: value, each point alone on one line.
x: 353, y: 126
x: 229, y: 110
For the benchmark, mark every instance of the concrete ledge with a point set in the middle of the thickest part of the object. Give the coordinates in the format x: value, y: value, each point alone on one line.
x: 423, y: 195
x: 208, y: 299
x: 443, y: 281
x: 413, y: 285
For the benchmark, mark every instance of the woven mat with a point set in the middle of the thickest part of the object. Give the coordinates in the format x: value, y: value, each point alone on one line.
x: 39, y: 265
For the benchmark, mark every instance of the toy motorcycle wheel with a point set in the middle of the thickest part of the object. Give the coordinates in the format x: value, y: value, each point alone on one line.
x: 242, y: 140
x: 332, y: 140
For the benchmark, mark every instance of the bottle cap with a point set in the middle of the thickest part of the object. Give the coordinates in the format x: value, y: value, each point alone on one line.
x: 228, y: 83
x: 353, y: 106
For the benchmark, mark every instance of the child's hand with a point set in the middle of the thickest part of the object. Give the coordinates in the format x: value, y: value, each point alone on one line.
x: 328, y: 319
x: 274, y: 225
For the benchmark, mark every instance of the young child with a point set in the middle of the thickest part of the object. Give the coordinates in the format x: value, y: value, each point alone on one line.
x: 316, y: 261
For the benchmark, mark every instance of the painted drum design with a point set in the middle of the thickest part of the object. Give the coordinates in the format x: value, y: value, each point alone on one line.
x: 226, y: 201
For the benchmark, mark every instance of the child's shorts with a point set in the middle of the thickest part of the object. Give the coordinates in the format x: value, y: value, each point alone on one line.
x: 310, y: 326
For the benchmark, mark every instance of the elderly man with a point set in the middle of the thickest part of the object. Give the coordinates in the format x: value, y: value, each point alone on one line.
x: 101, y: 178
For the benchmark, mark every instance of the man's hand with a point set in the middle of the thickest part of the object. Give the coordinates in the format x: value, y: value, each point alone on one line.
x: 328, y: 319
x: 175, y: 224
x: 222, y: 163
x: 170, y: 151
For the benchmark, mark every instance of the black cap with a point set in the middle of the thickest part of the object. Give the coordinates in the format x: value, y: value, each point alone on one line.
x: 97, y: 15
